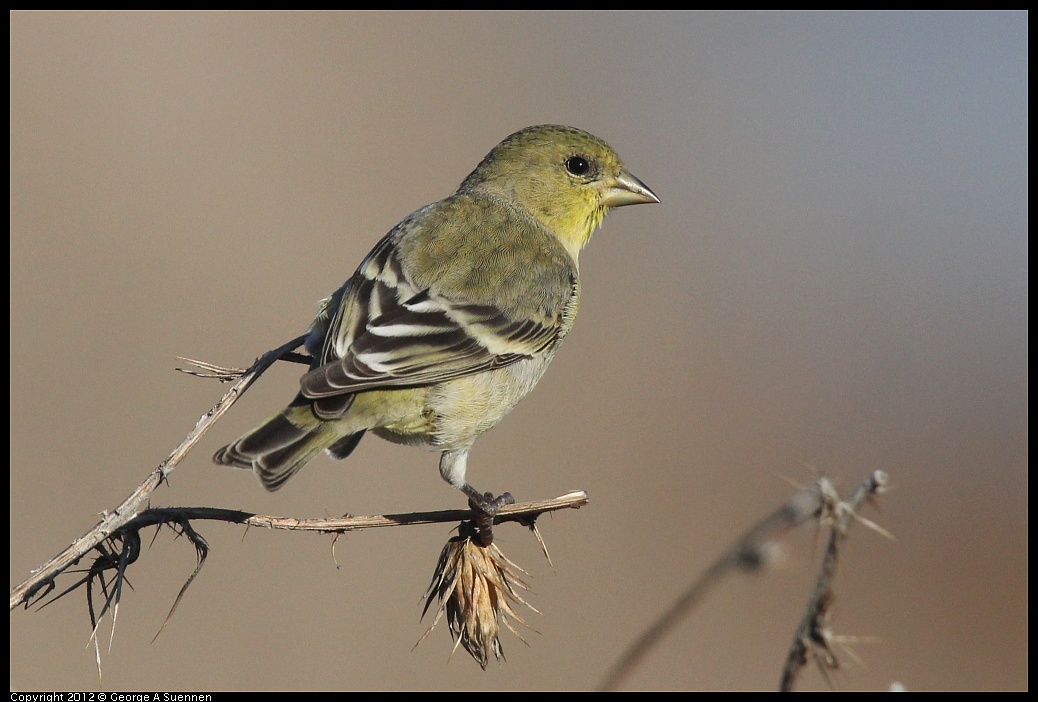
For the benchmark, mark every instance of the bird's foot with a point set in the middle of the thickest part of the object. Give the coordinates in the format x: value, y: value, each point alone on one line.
x: 488, y: 506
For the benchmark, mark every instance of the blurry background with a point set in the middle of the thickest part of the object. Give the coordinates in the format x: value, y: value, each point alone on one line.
x: 835, y: 282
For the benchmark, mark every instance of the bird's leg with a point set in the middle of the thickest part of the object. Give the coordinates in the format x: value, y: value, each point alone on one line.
x: 452, y: 468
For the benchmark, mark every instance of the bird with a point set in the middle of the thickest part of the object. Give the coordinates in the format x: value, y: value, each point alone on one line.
x: 454, y: 316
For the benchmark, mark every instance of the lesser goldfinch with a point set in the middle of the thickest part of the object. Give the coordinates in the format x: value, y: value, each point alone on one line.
x: 454, y: 315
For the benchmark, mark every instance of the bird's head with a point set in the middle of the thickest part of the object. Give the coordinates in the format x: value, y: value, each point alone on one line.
x: 567, y: 178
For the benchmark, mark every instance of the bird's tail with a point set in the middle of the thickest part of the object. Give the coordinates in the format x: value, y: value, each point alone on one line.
x: 283, y: 444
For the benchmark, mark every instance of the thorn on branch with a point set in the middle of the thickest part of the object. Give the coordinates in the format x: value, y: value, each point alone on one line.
x: 204, y: 369
x: 201, y: 553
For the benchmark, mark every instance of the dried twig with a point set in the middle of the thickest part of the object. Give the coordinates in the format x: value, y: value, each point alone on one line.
x: 42, y: 578
x: 477, y: 606
x: 523, y: 513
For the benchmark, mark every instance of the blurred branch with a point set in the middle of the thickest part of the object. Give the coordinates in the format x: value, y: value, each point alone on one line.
x: 814, y: 635
x: 42, y: 578
x: 748, y: 553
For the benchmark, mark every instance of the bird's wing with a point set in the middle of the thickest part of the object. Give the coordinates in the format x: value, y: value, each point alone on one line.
x: 389, y: 331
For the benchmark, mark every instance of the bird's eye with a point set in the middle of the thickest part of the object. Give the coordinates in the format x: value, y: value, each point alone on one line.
x: 578, y: 165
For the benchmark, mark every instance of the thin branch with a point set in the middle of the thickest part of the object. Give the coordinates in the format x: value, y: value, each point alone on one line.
x: 42, y: 578
x: 813, y: 635
x: 523, y: 512
x: 123, y: 548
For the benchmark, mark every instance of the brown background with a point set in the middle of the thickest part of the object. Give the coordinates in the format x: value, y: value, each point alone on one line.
x: 836, y: 281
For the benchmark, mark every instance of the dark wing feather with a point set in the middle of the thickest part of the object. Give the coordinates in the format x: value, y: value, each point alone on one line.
x: 382, y: 329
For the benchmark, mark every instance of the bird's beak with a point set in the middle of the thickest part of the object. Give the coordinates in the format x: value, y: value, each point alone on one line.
x: 625, y: 189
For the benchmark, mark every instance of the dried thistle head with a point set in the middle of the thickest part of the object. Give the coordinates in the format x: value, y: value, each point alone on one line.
x: 477, y: 587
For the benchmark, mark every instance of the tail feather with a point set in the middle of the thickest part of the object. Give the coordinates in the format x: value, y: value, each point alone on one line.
x: 344, y: 446
x: 276, y: 433
x: 280, y: 447
x: 276, y: 467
